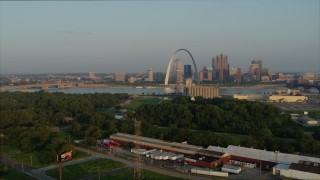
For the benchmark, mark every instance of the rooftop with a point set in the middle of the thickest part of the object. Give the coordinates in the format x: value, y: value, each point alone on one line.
x: 306, y: 166
x: 264, y: 155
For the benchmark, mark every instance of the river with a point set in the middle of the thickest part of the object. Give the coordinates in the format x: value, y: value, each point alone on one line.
x: 161, y: 91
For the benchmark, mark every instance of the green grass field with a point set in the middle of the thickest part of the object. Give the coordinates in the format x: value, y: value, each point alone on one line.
x: 34, y: 157
x: 85, y: 169
x: 138, y: 102
x: 14, y: 174
x: 128, y: 175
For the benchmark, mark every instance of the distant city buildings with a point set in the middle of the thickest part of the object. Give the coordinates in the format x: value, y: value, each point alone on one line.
x: 150, y: 75
x: 220, y: 68
x: 205, y: 75
x: 120, y: 77
x: 94, y: 77
x: 187, y: 71
x: 235, y: 74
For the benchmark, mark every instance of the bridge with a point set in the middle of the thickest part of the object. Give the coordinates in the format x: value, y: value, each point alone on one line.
x: 44, y: 86
x: 305, y: 86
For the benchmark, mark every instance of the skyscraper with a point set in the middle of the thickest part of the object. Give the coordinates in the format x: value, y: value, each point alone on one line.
x: 258, y: 70
x: 187, y: 71
x: 205, y: 74
x: 179, y: 78
x: 235, y: 73
x: 150, y: 75
x: 220, y: 67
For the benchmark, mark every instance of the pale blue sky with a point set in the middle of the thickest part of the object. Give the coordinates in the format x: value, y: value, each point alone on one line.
x: 130, y: 36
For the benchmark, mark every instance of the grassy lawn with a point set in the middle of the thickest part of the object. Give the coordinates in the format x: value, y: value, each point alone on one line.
x: 85, y: 169
x: 14, y: 174
x: 34, y: 157
x: 137, y: 102
x: 127, y: 175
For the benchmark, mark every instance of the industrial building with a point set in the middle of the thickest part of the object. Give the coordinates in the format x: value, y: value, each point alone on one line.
x: 194, y: 155
x: 284, y: 98
x: 300, y: 170
x: 254, y: 157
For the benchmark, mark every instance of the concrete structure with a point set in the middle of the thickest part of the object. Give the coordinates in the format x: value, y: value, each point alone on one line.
x: 203, y: 91
x: 220, y: 68
x: 281, y: 98
x: 166, y: 81
x: 120, y: 76
x: 300, y: 170
x: 150, y: 75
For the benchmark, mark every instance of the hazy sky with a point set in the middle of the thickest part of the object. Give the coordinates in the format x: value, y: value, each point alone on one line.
x: 131, y: 36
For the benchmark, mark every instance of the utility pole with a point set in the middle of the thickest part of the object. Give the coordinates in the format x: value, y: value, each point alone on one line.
x: 138, y: 172
x: 31, y: 159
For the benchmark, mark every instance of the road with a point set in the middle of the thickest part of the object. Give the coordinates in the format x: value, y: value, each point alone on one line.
x: 40, y: 173
x: 147, y: 167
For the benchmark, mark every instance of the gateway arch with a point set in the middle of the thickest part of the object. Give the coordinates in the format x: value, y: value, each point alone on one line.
x: 166, y: 81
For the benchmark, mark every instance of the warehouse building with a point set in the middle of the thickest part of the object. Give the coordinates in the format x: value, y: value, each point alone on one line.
x: 194, y: 155
x: 300, y: 170
x: 254, y: 157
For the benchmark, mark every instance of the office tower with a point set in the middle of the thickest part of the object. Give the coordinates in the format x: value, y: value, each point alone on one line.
x: 235, y: 73
x: 177, y: 71
x: 254, y: 71
x: 220, y: 67
x: 120, y: 77
x: 187, y: 71
x: 259, y: 69
x: 205, y: 74
x: 150, y: 75
x: 179, y: 78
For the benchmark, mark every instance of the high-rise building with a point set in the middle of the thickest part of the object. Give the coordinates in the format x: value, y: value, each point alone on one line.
x: 177, y: 71
x: 254, y: 70
x: 205, y: 74
x: 120, y: 76
x: 150, y: 75
x: 220, y: 67
x: 187, y: 71
x: 259, y: 69
x: 179, y: 78
x: 235, y: 74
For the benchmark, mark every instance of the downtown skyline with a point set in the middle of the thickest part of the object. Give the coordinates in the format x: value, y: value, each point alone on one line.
x: 109, y: 36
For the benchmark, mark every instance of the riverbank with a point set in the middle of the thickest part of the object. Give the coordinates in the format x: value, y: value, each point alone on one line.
x: 258, y: 86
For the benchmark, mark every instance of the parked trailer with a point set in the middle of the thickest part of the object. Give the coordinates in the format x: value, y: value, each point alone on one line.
x: 165, y: 156
x: 150, y: 151
x: 176, y: 157
x: 138, y: 151
x: 231, y: 169
x: 152, y: 154
x: 209, y: 172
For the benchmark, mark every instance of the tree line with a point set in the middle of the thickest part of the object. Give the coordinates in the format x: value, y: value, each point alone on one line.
x: 200, y: 122
x: 29, y: 120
